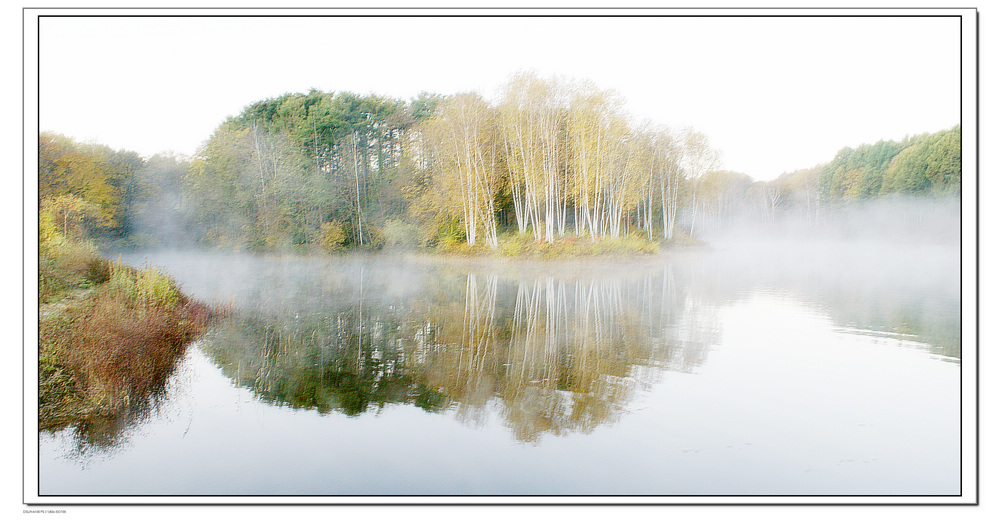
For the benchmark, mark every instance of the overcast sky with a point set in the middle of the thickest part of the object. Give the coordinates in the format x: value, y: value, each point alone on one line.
x: 772, y: 94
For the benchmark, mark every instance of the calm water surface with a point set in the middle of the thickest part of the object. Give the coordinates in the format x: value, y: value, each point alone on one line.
x: 824, y: 372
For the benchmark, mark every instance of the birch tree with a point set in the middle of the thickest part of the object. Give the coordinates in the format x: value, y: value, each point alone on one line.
x: 666, y: 164
x: 698, y: 159
x: 532, y: 119
x: 463, y: 139
x: 597, y: 132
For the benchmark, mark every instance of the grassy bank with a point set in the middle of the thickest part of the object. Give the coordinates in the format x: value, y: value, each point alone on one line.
x: 109, y: 334
x: 525, y: 246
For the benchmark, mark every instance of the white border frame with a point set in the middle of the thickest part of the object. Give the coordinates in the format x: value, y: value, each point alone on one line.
x: 969, y: 317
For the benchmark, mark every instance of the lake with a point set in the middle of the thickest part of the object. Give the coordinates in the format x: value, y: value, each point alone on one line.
x: 816, y: 369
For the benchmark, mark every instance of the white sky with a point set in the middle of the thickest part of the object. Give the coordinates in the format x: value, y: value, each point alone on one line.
x: 772, y: 94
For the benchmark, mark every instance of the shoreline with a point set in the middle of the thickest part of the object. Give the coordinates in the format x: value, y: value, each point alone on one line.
x: 106, y: 346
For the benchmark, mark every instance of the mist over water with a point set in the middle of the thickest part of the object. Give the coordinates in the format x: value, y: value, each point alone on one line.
x: 798, y: 362
x: 889, y: 268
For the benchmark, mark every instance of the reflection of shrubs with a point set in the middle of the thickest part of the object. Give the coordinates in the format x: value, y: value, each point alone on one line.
x: 428, y: 399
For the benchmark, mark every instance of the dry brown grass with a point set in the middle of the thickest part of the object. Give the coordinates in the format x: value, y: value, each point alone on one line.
x: 110, y: 337
x: 122, y: 350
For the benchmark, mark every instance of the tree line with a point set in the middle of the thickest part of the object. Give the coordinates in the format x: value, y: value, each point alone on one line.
x: 918, y: 164
x: 549, y: 159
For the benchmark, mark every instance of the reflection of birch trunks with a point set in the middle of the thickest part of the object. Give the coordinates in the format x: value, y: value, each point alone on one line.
x: 360, y: 363
x: 551, y: 354
x: 567, y: 368
x: 474, y: 370
x: 666, y: 315
x: 524, y: 330
x: 558, y: 329
x: 478, y: 333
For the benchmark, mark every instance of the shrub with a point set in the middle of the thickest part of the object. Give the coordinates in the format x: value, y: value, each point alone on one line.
x: 121, y: 281
x: 147, y: 287
x: 450, y: 232
x: 120, y: 355
x: 121, y: 348
x: 516, y: 245
x: 48, y: 231
x: 573, y: 246
x: 154, y: 288
x: 63, y: 265
x: 375, y: 238
x: 98, y: 271
x: 108, y: 347
x: 331, y: 237
x: 402, y: 234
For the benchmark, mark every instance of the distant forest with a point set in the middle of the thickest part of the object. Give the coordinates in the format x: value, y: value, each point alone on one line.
x: 550, y: 159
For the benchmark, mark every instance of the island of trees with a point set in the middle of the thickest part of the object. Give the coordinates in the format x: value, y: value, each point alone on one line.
x: 551, y: 163
x: 552, y: 168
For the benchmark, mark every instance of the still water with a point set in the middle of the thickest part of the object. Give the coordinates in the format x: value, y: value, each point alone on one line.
x: 827, y: 371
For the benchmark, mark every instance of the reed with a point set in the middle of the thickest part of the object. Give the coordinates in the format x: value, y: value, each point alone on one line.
x: 112, y: 345
x: 129, y: 341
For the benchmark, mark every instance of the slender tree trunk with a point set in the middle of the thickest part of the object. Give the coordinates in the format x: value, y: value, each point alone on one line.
x: 357, y: 184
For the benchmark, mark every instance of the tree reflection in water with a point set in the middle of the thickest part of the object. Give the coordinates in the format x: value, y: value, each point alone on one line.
x: 110, y: 434
x: 541, y: 347
x: 554, y: 354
